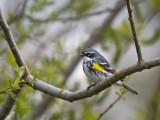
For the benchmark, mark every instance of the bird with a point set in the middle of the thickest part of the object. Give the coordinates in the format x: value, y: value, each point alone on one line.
x: 97, y: 68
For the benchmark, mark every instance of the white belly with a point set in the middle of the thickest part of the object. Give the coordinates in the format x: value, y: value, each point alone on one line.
x: 92, y: 76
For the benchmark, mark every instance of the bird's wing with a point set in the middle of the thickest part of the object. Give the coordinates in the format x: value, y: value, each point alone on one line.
x: 105, y: 65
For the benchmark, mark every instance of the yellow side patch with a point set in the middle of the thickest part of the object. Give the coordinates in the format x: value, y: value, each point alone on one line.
x: 97, y: 67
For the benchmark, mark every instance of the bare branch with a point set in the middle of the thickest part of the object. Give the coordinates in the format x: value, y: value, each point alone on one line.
x: 69, y: 19
x: 78, y: 95
x: 110, y: 106
x: 137, y: 45
x: 9, y: 103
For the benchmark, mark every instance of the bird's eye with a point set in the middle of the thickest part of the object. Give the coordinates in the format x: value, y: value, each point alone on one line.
x: 88, y: 54
x: 91, y: 55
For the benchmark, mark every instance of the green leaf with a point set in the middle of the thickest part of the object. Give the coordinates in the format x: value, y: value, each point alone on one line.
x: 16, y: 72
x: 13, y: 95
x: 127, y: 78
x: 16, y: 82
x: 36, y: 74
x: 10, y: 83
x: 16, y: 88
x: 21, y: 72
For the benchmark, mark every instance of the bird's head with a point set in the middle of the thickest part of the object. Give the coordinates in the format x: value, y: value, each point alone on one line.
x: 88, y: 54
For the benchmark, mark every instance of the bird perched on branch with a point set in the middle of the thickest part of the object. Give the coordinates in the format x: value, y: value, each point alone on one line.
x: 97, y: 68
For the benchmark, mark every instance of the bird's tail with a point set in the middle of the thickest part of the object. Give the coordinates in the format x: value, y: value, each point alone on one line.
x: 129, y: 89
x: 120, y: 83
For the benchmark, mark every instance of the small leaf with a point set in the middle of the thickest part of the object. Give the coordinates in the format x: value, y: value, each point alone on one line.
x: 16, y: 72
x: 13, y: 95
x: 123, y: 90
x: 10, y: 83
x: 127, y: 78
x: 21, y: 72
x: 16, y: 88
x: 37, y: 74
x: 16, y: 82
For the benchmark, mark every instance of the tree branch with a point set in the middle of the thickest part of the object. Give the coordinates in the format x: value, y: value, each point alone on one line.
x: 137, y: 45
x: 9, y: 103
x: 110, y: 106
x: 78, y: 95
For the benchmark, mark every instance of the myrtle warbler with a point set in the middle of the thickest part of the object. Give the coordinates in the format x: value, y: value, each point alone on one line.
x: 97, y: 68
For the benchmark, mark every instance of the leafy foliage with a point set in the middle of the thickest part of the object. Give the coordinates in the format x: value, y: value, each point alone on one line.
x: 16, y: 85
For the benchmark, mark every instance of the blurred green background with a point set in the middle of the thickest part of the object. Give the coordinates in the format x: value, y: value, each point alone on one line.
x: 50, y: 34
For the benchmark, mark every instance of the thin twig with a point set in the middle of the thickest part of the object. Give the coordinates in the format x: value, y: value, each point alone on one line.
x: 137, y: 45
x: 4, y: 91
x: 20, y: 14
x: 69, y: 19
x: 110, y: 106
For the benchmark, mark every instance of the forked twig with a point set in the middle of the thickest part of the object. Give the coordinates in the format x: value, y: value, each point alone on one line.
x: 110, y: 106
x: 137, y: 45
